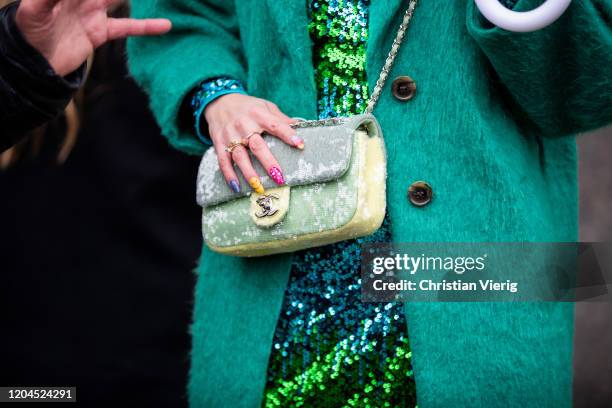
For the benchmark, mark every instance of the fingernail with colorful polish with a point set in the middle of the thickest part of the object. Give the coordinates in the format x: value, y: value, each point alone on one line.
x: 255, y: 184
x: 277, y: 175
x: 235, y: 186
x: 297, y: 142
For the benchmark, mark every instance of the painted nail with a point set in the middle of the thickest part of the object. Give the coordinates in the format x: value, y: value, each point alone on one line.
x: 277, y: 175
x: 297, y: 142
x: 235, y: 186
x: 255, y: 183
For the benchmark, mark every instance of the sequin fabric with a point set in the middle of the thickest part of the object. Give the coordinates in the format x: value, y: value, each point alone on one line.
x: 329, y: 348
x: 207, y: 92
x: 339, y: 31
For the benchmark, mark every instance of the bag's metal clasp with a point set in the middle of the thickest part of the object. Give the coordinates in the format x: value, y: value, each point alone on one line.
x: 270, y: 208
x: 267, y: 206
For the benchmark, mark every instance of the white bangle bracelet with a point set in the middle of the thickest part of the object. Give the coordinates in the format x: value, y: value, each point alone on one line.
x: 522, y: 21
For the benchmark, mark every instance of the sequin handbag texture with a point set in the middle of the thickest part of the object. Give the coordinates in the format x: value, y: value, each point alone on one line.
x: 335, y: 188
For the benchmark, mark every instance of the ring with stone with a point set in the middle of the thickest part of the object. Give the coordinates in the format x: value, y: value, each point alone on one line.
x: 230, y: 147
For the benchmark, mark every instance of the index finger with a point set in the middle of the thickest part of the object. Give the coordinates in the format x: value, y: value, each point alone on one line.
x: 125, y: 27
x: 274, y: 126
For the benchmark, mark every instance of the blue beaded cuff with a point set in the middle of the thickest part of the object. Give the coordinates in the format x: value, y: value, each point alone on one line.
x: 207, y: 92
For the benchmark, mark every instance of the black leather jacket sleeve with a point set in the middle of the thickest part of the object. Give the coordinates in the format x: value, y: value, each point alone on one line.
x: 31, y: 93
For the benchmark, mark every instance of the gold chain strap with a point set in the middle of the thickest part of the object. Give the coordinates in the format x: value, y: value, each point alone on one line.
x: 384, y: 73
x: 318, y: 122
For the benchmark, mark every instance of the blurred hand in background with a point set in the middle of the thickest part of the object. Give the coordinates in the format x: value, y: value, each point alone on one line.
x: 66, y: 32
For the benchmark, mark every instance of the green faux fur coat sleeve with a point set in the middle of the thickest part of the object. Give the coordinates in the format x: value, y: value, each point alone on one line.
x: 204, y: 43
x: 559, y: 78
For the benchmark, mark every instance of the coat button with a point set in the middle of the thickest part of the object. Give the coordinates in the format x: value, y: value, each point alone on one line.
x: 420, y: 193
x: 403, y: 88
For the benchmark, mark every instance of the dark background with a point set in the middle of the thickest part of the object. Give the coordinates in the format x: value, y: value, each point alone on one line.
x: 97, y: 255
x: 593, y: 336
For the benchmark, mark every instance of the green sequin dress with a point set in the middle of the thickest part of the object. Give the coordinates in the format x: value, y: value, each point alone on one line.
x: 330, y: 349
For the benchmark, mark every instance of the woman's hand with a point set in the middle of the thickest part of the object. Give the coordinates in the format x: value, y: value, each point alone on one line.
x: 66, y: 32
x: 234, y: 118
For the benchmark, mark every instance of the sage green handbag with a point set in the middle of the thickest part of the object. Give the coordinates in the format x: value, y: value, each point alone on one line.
x: 334, y: 191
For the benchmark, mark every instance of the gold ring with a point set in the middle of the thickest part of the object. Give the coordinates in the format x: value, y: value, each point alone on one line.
x: 245, y: 141
x: 230, y: 147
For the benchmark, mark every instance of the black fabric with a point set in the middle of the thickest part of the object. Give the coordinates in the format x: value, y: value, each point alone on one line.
x: 31, y: 93
x: 97, y: 255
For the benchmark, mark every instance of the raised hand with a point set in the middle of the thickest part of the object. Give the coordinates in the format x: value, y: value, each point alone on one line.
x: 66, y: 32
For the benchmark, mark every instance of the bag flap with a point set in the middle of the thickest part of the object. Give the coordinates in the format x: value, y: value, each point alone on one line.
x: 326, y: 157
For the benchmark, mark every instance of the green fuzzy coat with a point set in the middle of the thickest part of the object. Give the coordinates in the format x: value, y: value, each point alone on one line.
x: 490, y: 129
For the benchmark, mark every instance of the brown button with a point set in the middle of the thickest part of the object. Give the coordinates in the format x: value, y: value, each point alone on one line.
x: 403, y: 88
x: 420, y: 193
